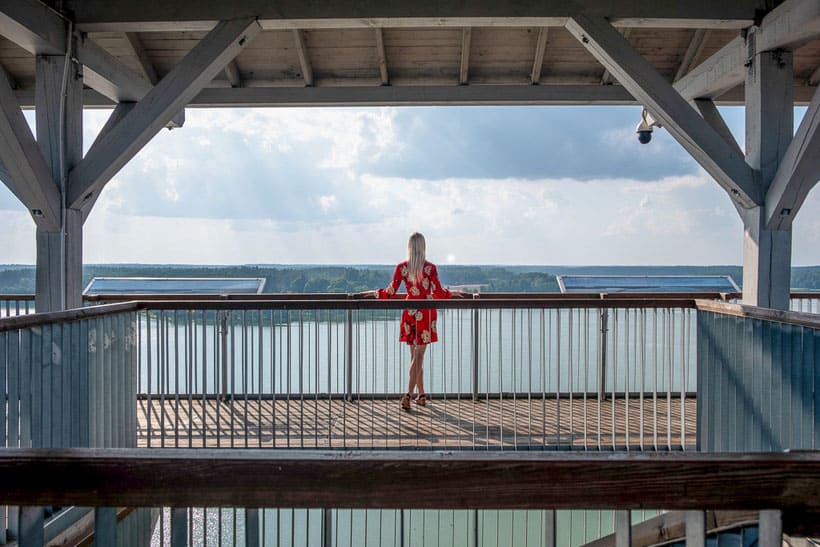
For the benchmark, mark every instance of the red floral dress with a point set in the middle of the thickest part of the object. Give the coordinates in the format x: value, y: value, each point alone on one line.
x: 418, y: 327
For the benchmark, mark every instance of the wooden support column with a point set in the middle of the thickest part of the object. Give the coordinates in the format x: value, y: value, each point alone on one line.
x: 59, y: 252
x: 769, y: 129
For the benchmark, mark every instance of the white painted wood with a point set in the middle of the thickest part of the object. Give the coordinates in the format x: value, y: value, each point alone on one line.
x: 33, y: 26
x: 232, y: 73
x: 58, y: 276
x: 416, y: 95
x: 814, y: 79
x: 464, y: 70
x: 789, y: 25
x: 693, y: 51
x: 29, y: 178
x: 549, y: 529
x: 109, y: 75
x: 695, y: 529
x: 770, y: 528
x: 769, y: 123
x: 120, y: 15
x: 304, y: 59
x: 606, y: 77
x: 12, y: 83
x: 705, y: 145
x: 161, y: 104
x: 381, y: 55
x: 147, y: 67
x: 716, y: 75
x: 713, y: 117
x: 623, y: 529
x: 798, y: 172
x: 538, y: 58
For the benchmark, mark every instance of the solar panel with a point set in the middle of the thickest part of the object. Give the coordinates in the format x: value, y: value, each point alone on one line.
x: 646, y: 283
x: 175, y: 285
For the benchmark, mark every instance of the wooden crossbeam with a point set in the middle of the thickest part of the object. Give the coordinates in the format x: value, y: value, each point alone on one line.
x: 145, y: 64
x: 381, y: 55
x: 110, y: 76
x: 158, y: 107
x: 27, y: 174
x: 606, y: 77
x: 713, y: 117
x: 304, y: 59
x: 798, y: 172
x: 814, y: 79
x: 33, y: 26
x: 538, y: 58
x: 693, y: 51
x: 716, y: 75
x: 464, y: 69
x: 368, y: 479
x: 641, y: 79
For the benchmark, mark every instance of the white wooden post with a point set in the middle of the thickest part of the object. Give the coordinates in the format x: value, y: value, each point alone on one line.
x: 59, y: 253
x: 769, y: 129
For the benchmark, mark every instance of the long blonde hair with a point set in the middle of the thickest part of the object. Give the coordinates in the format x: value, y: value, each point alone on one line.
x: 416, y: 254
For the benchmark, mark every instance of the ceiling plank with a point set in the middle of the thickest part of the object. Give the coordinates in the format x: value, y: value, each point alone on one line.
x: 147, y: 67
x: 304, y: 60
x: 464, y: 70
x: 639, y: 77
x: 158, y: 107
x: 693, y: 51
x: 798, y: 172
x: 232, y: 73
x: 538, y: 59
x: 382, y: 57
x: 28, y: 176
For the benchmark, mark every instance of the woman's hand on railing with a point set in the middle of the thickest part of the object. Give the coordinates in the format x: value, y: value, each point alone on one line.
x: 368, y: 294
x: 458, y: 294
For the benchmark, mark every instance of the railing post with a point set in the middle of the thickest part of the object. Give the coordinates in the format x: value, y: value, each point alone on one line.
x: 549, y: 528
x: 695, y: 529
x: 105, y: 526
x: 349, y: 355
x: 475, y: 346
x: 327, y: 528
x: 31, y: 532
x: 252, y: 528
x: 223, y: 337
x: 179, y: 527
x: 603, y: 325
x: 771, y: 528
x: 623, y: 529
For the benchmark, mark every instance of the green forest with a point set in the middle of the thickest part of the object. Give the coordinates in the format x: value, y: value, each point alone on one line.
x: 349, y: 279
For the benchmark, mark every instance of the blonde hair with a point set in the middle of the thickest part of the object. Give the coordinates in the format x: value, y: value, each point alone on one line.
x: 416, y: 254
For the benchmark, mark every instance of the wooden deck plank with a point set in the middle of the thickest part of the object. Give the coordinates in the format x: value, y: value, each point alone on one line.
x: 489, y: 424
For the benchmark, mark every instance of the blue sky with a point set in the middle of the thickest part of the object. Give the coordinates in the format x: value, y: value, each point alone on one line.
x: 487, y: 185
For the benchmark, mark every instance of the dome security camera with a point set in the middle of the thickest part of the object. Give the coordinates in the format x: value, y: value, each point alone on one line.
x: 645, y: 126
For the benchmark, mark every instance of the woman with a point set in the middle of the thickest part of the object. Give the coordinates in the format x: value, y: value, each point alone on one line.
x: 418, y: 326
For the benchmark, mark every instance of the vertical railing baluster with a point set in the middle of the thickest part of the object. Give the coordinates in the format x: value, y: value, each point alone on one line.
x: 349, y: 354
x: 475, y: 348
x: 603, y: 327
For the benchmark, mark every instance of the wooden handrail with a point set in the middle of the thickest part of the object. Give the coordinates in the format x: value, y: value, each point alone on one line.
x: 41, y: 319
x: 811, y: 320
x: 438, y: 480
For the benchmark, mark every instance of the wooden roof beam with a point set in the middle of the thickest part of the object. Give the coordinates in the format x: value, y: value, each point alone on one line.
x: 381, y: 55
x: 158, y: 107
x: 693, y: 51
x: 126, y: 15
x: 27, y: 174
x: 814, y: 79
x: 710, y: 113
x: 464, y: 70
x: 798, y: 172
x: 606, y: 77
x: 147, y: 67
x: 109, y: 75
x: 232, y: 73
x: 304, y: 60
x: 538, y: 58
x: 640, y: 78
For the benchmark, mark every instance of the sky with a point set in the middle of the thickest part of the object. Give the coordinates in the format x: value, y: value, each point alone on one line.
x: 486, y: 185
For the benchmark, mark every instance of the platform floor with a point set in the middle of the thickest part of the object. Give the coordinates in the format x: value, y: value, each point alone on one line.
x: 508, y: 423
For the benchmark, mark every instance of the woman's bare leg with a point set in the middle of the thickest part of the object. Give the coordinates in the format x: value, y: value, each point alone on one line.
x: 418, y: 360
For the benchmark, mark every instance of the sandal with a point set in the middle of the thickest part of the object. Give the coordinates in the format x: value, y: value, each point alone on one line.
x: 405, y: 401
x: 421, y: 399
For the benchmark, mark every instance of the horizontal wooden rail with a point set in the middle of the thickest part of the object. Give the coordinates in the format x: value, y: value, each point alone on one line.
x: 811, y: 320
x: 40, y: 319
x: 377, y: 479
